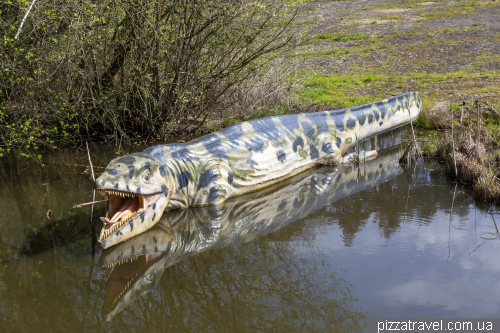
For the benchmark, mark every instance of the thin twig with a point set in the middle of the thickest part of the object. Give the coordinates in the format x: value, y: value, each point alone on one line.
x: 92, y: 211
x: 413, y: 133
x: 453, y: 201
x: 24, y: 19
x: 453, y: 142
x: 462, y: 114
x: 478, y: 138
x: 494, y: 222
x: 449, y: 223
x: 477, y: 247
x: 202, y: 121
x: 79, y: 165
x: 91, y: 167
x: 88, y: 203
x: 492, y: 108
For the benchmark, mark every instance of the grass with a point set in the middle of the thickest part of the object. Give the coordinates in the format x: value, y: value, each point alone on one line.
x: 390, y: 17
x: 470, y: 163
x: 333, y: 89
x: 426, y: 74
x: 438, y: 62
x: 430, y: 145
x: 467, y: 155
x: 346, y: 90
x: 335, y: 37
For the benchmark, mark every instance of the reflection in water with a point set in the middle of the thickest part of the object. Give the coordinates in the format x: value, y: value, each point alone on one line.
x: 135, y: 267
x: 391, y: 250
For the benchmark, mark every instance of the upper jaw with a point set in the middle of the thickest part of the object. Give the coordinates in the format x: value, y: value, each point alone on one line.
x: 123, y: 209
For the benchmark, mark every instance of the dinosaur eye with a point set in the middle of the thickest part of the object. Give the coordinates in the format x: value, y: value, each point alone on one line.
x: 146, y: 176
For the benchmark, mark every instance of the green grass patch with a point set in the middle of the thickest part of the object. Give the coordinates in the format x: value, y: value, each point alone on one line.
x: 430, y: 145
x: 331, y: 52
x: 390, y: 17
x: 335, y: 37
x: 342, y: 91
x: 437, y: 15
x: 336, y: 90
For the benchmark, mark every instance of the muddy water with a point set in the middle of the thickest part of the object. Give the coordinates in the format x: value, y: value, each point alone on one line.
x: 322, y: 251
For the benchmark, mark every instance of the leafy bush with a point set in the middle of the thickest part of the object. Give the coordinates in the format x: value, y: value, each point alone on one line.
x: 128, y: 69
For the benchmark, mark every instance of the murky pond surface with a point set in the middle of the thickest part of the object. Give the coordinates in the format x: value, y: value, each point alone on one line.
x: 322, y: 251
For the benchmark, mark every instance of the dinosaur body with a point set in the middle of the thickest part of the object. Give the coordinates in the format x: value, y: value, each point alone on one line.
x: 136, y: 266
x: 239, y: 159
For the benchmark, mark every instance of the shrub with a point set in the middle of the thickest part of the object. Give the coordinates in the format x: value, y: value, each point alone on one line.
x: 128, y: 69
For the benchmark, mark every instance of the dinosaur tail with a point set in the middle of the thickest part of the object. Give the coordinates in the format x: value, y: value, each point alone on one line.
x: 366, y: 121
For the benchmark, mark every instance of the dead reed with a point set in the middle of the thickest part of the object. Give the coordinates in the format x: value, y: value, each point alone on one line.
x: 467, y: 154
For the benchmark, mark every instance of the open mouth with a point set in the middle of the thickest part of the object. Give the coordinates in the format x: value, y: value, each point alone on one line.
x: 123, y: 274
x: 123, y: 207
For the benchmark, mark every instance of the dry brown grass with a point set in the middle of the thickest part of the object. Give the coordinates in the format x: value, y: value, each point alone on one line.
x: 437, y: 117
x: 474, y: 165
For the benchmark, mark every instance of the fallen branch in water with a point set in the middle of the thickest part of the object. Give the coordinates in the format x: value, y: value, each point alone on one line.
x: 88, y: 203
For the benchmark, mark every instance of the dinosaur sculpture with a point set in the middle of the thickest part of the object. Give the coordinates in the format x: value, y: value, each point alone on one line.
x: 236, y: 160
x: 134, y: 267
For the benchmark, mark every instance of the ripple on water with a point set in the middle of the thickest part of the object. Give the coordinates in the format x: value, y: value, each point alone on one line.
x: 488, y: 236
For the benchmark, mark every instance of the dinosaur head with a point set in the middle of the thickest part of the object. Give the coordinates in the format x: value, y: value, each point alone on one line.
x: 138, y: 191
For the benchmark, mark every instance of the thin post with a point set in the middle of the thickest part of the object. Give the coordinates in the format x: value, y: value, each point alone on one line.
x: 453, y: 140
x: 478, y: 139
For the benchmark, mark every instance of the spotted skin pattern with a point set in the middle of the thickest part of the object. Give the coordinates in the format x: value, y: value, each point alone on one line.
x: 248, y: 156
x: 181, y: 234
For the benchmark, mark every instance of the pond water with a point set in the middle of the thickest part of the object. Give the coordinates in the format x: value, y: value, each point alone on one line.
x: 322, y: 251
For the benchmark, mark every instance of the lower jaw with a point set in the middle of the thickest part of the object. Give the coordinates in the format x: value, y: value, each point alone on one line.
x: 143, y: 221
x: 107, y: 233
